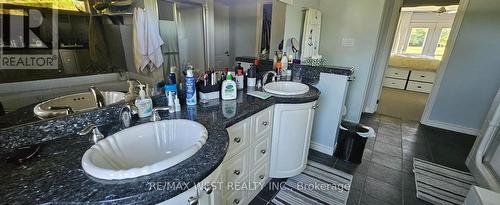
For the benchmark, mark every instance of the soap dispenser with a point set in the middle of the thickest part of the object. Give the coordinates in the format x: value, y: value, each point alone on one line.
x: 228, y: 91
x: 143, y: 103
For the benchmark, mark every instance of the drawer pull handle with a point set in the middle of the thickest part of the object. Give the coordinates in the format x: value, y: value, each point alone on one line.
x: 263, y: 151
x: 396, y: 73
x: 419, y: 86
x: 208, y: 189
x: 237, y: 140
x: 265, y: 123
x: 261, y: 177
x: 193, y: 200
x: 236, y: 172
x: 422, y: 76
x: 236, y: 201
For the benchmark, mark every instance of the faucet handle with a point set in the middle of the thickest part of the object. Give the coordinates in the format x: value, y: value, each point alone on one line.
x: 96, y: 134
x: 156, y: 117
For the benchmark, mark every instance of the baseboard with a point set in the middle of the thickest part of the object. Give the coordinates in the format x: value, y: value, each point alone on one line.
x: 451, y: 127
x: 321, y: 148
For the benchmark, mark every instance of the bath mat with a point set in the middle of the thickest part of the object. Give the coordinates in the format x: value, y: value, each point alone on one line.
x: 438, y: 184
x: 317, y: 184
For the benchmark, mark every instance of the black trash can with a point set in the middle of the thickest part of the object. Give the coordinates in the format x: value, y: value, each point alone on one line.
x: 351, y: 141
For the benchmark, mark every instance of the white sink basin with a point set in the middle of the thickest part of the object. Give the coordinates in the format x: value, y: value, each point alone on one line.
x: 144, y: 149
x: 79, y: 102
x: 286, y: 88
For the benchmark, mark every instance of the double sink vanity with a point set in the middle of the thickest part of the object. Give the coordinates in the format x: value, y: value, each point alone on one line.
x: 217, y: 153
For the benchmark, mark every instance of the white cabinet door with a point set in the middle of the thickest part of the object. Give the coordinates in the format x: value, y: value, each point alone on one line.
x: 185, y: 198
x: 210, y: 190
x: 292, y: 128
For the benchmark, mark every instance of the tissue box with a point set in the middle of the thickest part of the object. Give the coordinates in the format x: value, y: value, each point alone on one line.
x: 209, y: 92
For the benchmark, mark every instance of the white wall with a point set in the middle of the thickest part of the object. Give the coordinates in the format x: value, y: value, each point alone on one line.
x: 242, y: 28
x: 359, y: 20
x: 472, y: 76
x: 294, y: 23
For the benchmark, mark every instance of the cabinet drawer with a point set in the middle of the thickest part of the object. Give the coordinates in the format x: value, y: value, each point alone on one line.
x: 239, y: 137
x: 419, y: 87
x: 423, y: 76
x: 394, y: 83
x: 260, y: 151
x: 397, y: 73
x: 262, y: 123
x: 259, y: 177
x: 236, y: 198
x: 236, y: 169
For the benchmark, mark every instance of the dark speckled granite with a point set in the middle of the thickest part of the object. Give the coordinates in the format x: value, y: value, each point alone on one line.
x: 309, y: 73
x: 56, y: 176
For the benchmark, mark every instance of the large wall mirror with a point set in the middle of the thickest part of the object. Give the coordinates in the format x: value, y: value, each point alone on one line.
x: 92, y: 43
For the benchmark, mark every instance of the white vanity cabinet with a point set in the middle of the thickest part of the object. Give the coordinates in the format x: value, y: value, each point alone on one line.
x: 291, y: 138
x: 245, y: 170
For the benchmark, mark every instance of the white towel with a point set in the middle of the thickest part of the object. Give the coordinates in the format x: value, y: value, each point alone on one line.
x: 147, y: 41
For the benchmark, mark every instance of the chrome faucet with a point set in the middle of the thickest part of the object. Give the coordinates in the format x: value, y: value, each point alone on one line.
x: 155, y: 116
x: 99, y: 99
x: 96, y: 134
x: 67, y: 108
x: 265, y: 76
x: 126, y: 114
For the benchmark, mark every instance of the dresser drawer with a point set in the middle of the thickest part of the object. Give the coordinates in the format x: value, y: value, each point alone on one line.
x: 423, y: 76
x: 394, y: 83
x: 239, y: 137
x: 236, y: 169
x: 258, y: 179
x: 238, y: 197
x: 419, y: 87
x: 262, y: 123
x: 397, y: 73
x: 260, y: 151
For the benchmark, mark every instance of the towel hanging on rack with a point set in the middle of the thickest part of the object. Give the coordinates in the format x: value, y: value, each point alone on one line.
x: 147, y: 41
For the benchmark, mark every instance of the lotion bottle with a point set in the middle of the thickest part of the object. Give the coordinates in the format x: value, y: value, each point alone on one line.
x: 143, y: 103
x: 228, y: 91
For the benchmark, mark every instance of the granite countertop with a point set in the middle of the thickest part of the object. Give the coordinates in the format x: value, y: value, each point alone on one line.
x: 339, y: 70
x: 56, y: 175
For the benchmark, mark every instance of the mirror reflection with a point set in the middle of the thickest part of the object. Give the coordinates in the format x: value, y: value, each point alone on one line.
x: 98, y: 49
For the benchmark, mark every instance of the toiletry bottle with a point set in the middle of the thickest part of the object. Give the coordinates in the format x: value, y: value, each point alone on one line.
x: 131, y: 94
x: 143, y: 103
x: 171, y: 76
x: 240, y: 84
x: 190, y: 88
x: 228, y: 91
x: 177, y: 106
x: 251, y: 76
x: 284, y: 61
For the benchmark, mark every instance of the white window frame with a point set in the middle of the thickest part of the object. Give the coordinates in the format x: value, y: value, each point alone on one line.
x: 431, y: 40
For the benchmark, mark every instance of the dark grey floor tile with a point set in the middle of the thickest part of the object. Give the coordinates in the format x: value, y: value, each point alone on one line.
x: 408, y: 166
x: 417, y: 153
x: 369, y: 143
x: 258, y: 201
x: 383, y: 191
x: 410, y: 198
x: 386, y: 174
x: 367, y: 154
x: 358, y: 180
x: 354, y: 197
x: 351, y: 168
x: 271, y: 189
x: 409, y: 181
x: 387, y: 160
x: 389, y: 149
x: 389, y: 119
x: 366, y: 199
x: 415, y: 138
x: 389, y: 139
x: 321, y: 158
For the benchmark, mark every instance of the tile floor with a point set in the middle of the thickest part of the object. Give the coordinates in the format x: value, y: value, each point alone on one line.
x: 385, y: 175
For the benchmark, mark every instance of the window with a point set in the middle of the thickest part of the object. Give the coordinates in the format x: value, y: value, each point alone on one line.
x: 442, y: 41
x: 417, y: 40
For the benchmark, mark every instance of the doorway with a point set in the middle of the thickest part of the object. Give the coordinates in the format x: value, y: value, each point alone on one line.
x: 415, y: 51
